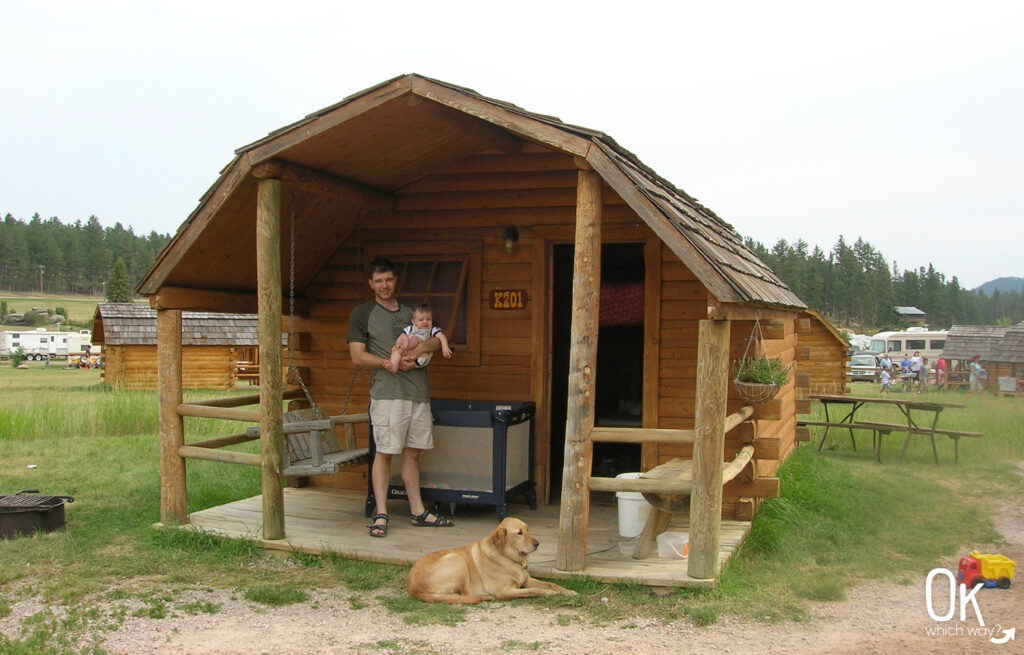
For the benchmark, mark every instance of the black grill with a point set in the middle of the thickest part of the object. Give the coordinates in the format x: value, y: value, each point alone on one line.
x: 27, y: 511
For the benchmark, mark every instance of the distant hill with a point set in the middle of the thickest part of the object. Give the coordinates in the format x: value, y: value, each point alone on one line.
x: 1002, y: 284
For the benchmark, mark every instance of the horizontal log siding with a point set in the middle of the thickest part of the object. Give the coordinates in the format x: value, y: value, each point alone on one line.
x: 683, y: 305
x: 827, y: 363
x: 135, y: 367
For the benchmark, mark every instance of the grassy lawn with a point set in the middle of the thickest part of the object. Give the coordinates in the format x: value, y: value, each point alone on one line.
x: 842, y: 520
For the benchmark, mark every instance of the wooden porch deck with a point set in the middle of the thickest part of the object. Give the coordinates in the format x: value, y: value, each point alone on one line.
x: 321, y: 520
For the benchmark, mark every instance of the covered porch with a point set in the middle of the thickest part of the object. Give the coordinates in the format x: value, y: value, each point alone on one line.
x: 325, y: 521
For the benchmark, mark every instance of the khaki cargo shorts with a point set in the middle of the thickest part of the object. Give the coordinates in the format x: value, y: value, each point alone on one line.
x: 399, y: 424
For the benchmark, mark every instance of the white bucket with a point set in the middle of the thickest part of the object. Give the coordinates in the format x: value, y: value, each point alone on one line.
x: 633, y: 509
x: 673, y: 545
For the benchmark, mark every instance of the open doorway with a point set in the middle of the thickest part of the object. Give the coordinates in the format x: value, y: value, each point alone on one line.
x: 620, y: 355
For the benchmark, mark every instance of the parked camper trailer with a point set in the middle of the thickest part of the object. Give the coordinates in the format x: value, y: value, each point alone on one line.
x: 40, y: 344
x: 914, y: 339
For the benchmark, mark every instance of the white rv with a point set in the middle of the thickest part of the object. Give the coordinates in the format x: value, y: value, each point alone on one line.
x: 914, y: 339
x: 40, y: 344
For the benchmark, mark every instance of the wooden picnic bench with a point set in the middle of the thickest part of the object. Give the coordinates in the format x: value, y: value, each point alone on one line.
x: 831, y: 424
x: 879, y: 428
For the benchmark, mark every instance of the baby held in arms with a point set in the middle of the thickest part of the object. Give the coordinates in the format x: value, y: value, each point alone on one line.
x: 421, y: 329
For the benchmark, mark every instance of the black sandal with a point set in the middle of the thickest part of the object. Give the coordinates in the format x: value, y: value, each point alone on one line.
x: 420, y: 521
x: 377, y: 530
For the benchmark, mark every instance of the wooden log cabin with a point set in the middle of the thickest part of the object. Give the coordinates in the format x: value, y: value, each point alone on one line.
x: 565, y: 272
x: 213, y: 346
x: 1008, y: 361
x: 965, y: 341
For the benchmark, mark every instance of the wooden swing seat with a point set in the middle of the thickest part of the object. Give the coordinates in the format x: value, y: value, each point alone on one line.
x: 313, y: 448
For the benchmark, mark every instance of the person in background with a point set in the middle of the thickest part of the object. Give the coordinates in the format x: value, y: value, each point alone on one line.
x: 922, y: 376
x: 978, y: 374
x: 886, y: 378
x: 915, y: 363
x: 940, y: 372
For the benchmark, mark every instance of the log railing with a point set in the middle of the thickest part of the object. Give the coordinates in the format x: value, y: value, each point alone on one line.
x: 642, y: 485
x: 225, y: 408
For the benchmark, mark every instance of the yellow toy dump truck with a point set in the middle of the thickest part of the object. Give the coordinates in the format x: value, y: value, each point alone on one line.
x: 984, y: 569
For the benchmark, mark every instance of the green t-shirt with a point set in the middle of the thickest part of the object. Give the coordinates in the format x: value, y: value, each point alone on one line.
x: 379, y: 327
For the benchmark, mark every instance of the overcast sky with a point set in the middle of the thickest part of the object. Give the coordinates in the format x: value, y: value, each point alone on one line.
x: 898, y: 122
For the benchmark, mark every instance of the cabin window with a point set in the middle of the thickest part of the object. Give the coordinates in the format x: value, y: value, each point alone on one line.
x: 937, y: 344
x: 895, y: 345
x: 915, y: 344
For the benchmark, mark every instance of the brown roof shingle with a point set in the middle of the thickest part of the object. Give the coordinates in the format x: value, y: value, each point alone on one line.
x: 965, y: 341
x: 123, y: 324
x: 1011, y: 347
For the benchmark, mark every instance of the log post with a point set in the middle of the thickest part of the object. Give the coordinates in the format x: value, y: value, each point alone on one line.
x: 173, y: 493
x: 708, y: 448
x: 268, y: 274
x: 586, y: 285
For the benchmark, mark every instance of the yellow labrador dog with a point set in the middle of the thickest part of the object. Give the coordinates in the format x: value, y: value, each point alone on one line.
x: 489, y: 569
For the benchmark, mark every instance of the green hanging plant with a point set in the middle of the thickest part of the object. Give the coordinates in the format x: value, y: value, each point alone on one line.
x: 757, y: 377
x: 762, y: 370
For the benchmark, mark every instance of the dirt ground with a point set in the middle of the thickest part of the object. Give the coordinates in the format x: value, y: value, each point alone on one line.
x: 875, y: 619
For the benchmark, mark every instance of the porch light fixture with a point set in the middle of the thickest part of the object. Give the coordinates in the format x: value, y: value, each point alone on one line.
x: 510, y: 236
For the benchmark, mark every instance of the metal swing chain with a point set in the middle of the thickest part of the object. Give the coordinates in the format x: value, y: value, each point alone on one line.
x: 291, y: 315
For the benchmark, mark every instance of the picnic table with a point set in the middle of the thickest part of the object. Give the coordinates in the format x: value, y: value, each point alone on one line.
x: 912, y: 410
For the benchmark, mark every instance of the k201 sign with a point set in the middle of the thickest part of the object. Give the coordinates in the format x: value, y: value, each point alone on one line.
x: 508, y: 299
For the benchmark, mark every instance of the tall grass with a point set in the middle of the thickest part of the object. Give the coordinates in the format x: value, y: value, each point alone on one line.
x: 54, y: 401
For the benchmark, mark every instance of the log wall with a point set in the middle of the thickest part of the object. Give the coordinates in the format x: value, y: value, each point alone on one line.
x: 135, y: 367
x: 826, y: 361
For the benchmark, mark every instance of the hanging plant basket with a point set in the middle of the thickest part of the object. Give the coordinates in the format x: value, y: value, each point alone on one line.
x: 758, y: 378
x: 755, y: 392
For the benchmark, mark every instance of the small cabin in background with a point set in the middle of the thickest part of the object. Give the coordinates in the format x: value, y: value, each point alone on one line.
x: 822, y: 357
x: 214, y: 346
x: 911, y: 315
x: 1007, y: 358
x: 965, y: 341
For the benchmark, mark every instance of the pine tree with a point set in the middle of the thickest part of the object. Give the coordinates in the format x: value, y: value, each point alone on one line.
x: 118, y: 289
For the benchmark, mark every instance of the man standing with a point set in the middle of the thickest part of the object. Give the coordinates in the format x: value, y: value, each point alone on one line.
x: 399, y: 402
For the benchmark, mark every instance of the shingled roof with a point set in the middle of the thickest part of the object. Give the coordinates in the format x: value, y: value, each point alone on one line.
x: 457, y: 117
x: 965, y: 341
x: 1010, y: 348
x: 126, y: 324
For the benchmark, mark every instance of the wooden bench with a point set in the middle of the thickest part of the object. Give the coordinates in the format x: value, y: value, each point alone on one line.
x: 312, y: 448
x: 880, y: 428
x: 832, y: 424
x: 955, y: 436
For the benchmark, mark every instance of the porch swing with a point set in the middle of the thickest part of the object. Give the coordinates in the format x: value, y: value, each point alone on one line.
x: 311, y: 447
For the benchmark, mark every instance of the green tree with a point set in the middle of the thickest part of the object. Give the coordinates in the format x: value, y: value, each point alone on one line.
x: 118, y: 289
